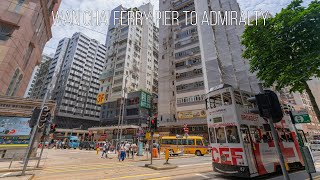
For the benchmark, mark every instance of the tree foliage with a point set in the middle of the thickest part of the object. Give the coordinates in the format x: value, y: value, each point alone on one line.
x: 285, y: 52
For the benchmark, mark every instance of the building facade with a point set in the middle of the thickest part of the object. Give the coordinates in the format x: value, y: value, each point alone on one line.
x: 25, y: 27
x: 137, y: 108
x: 42, y: 72
x: 74, y: 73
x: 132, y: 60
x: 194, y: 59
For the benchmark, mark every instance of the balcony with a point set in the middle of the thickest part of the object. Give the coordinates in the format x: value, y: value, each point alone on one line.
x: 105, y: 74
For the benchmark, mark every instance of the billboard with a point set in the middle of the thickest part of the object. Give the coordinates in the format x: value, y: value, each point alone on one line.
x: 14, y: 130
x: 145, y: 100
x: 191, y: 114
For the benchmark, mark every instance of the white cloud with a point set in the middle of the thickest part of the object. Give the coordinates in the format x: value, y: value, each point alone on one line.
x: 60, y: 32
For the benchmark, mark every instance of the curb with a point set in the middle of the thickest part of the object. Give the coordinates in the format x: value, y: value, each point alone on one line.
x: 15, y: 170
x: 32, y: 176
x: 164, y: 167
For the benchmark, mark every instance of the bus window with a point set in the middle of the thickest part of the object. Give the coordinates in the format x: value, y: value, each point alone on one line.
x: 205, y: 142
x: 174, y: 141
x: 213, y: 135
x: 179, y: 141
x: 227, y: 98
x: 215, y: 101
x: 281, y: 135
x: 255, y: 134
x: 190, y: 141
x: 237, y: 97
x: 221, y: 137
x: 199, y: 142
x: 232, y: 134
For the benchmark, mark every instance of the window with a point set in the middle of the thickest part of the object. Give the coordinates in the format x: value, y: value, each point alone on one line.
x: 19, y: 5
x: 227, y: 98
x: 232, y: 134
x: 215, y: 101
x: 212, y: 135
x: 190, y: 141
x: 221, y: 138
x: 255, y: 135
x: 199, y: 142
x: 12, y: 82
x: 238, y: 97
x: 28, y: 54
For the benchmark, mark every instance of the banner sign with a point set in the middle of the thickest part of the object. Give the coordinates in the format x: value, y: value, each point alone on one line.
x: 145, y: 100
x: 14, y: 130
x: 191, y: 114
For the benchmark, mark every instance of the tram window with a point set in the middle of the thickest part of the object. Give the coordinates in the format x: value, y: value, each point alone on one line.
x: 245, y: 97
x: 237, y: 97
x: 212, y: 135
x: 282, y: 135
x: 267, y: 137
x: 174, y: 141
x: 227, y: 98
x: 221, y: 138
x: 180, y: 141
x: 215, y: 101
x: 255, y: 134
x: 183, y: 142
x: 232, y: 134
x: 244, y: 133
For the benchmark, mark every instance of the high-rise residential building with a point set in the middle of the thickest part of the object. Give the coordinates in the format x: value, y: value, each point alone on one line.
x: 25, y: 27
x: 51, y: 72
x: 32, y: 81
x: 301, y: 101
x: 37, y: 80
x: 131, y: 65
x: 74, y: 73
x: 195, y: 58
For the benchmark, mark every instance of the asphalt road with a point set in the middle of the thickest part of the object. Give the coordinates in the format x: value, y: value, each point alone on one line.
x: 82, y: 164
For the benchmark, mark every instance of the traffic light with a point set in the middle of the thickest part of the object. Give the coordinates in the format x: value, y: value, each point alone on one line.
x: 148, y: 122
x: 34, y: 117
x: 52, y: 128
x: 268, y: 106
x: 45, y: 116
x: 153, y: 124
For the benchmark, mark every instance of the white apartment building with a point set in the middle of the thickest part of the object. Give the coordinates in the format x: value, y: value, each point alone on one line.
x: 194, y: 59
x: 75, y: 72
x: 132, y: 60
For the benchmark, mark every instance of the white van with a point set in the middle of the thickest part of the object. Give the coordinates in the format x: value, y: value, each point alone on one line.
x: 315, y: 145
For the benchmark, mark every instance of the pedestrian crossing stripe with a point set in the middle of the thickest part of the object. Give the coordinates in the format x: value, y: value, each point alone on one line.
x: 84, y: 165
x: 66, y: 169
x: 133, y: 176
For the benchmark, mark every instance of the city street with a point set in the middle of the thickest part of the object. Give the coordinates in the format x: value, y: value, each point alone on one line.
x: 83, y: 164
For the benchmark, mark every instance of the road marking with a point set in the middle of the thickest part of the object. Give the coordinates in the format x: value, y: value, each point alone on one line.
x: 315, y: 177
x: 83, y: 169
x: 202, y: 175
x: 160, y: 178
x: 77, y: 166
x: 5, y: 174
x: 194, y: 164
x: 132, y: 176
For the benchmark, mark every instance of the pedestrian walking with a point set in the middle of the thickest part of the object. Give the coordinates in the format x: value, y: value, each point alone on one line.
x: 122, y: 154
x: 104, y: 150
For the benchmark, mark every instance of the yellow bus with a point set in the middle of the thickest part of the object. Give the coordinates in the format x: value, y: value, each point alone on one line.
x: 189, y: 145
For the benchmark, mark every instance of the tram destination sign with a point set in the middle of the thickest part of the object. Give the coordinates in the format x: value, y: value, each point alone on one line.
x: 301, y: 117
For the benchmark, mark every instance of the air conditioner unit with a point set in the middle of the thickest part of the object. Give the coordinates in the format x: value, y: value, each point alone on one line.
x: 188, y: 65
x: 191, y: 53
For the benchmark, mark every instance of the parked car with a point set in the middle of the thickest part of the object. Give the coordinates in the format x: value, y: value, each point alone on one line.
x: 87, y: 145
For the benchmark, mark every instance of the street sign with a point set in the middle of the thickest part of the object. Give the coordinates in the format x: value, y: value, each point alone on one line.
x: 301, y: 117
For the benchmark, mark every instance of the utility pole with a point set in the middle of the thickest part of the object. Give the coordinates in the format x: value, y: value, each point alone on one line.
x: 123, y: 104
x: 269, y: 108
x: 33, y: 136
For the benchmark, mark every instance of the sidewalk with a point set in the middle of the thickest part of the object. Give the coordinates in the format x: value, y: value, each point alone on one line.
x: 17, y: 176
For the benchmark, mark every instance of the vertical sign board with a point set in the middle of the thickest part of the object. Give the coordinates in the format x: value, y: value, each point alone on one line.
x: 14, y: 131
x: 145, y: 100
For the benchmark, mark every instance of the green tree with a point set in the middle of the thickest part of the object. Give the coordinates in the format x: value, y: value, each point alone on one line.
x: 285, y: 50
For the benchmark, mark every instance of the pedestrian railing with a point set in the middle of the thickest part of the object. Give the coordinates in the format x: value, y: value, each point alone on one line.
x: 15, y: 160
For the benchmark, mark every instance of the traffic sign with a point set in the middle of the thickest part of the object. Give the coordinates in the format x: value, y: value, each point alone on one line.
x: 301, y: 117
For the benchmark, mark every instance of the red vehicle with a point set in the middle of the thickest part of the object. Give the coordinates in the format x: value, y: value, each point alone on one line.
x: 241, y: 142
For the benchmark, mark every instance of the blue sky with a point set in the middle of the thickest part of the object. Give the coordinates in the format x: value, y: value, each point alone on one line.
x: 60, y: 31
